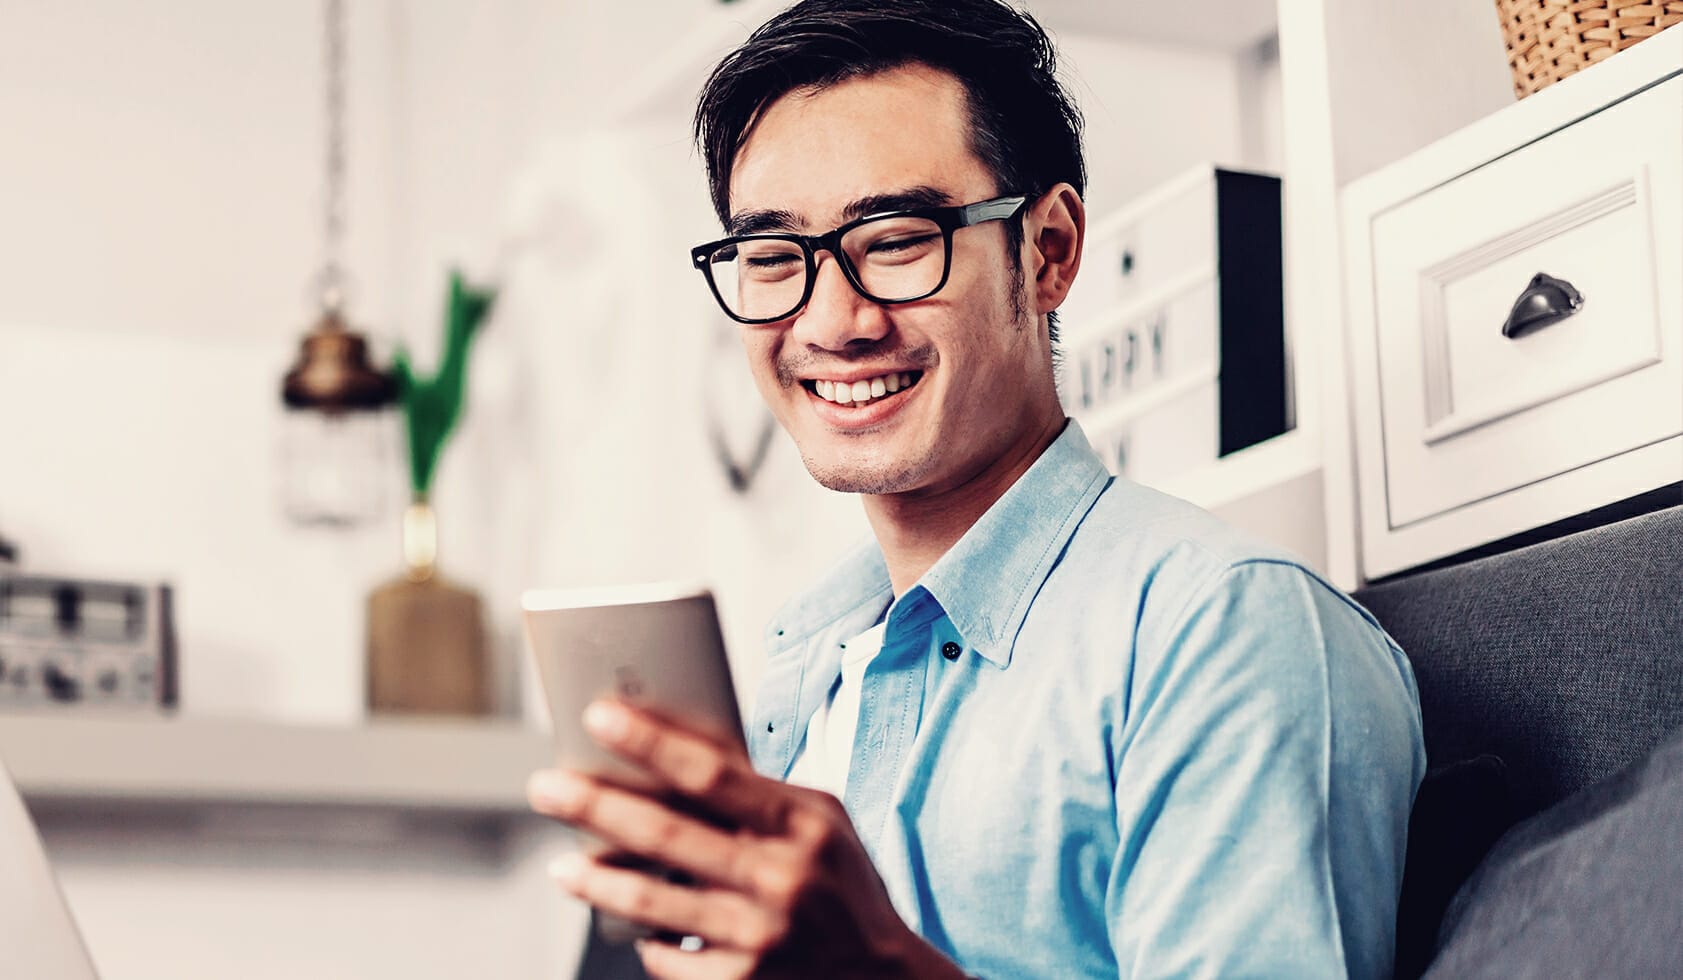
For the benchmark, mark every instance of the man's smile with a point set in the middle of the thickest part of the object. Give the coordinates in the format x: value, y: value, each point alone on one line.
x: 860, y: 402
x: 860, y: 392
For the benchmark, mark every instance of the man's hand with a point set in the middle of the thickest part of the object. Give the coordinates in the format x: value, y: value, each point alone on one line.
x: 782, y: 885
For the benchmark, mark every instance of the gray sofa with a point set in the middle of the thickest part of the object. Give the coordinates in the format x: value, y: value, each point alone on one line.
x: 1551, y: 689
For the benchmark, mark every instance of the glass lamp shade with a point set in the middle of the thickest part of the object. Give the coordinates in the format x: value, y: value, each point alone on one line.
x: 338, y: 449
x: 337, y: 466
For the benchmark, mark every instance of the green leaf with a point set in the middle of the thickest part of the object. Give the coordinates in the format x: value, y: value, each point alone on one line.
x: 433, y: 405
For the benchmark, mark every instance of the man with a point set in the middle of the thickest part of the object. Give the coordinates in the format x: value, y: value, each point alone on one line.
x: 1080, y: 728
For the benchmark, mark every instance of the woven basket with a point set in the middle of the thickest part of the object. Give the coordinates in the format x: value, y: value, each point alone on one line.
x: 1550, y: 39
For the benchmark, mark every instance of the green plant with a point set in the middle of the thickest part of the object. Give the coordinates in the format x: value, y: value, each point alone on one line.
x: 433, y: 404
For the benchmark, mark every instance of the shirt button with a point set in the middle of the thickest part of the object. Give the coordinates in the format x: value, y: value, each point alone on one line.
x: 951, y: 650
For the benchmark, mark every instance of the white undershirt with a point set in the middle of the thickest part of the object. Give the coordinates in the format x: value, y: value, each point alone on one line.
x: 823, y: 760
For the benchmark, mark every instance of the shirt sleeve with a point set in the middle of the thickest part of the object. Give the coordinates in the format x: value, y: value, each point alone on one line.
x: 1265, y: 767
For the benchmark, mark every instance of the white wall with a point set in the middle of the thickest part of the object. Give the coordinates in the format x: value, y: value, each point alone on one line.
x: 160, y: 192
x: 162, y: 166
x: 1401, y: 76
x: 1151, y: 112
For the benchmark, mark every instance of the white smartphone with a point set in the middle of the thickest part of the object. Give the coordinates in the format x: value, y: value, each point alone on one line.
x: 658, y: 647
x: 655, y: 646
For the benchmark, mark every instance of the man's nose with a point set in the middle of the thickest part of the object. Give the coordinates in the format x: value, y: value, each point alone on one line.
x: 836, y: 315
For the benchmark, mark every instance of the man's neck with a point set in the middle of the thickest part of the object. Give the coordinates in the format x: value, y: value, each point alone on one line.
x: 915, y: 529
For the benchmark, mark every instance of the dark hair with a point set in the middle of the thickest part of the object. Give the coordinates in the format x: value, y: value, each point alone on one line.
x: 1024, y: 127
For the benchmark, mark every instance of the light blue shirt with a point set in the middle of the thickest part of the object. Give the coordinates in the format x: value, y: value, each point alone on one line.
x: 1107, y: 735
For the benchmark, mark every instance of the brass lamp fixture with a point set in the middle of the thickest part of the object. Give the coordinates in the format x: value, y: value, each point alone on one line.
x: 337, y: 440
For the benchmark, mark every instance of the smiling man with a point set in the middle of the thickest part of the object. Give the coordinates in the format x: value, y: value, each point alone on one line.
x: 1048, y: 723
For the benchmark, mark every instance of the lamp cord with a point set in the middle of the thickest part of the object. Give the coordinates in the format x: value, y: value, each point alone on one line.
x: 330, y: 282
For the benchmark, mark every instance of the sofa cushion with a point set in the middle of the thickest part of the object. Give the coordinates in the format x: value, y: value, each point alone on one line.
x: 1462, y: 808
x: 1590, y: 887
x: 1564, y: 659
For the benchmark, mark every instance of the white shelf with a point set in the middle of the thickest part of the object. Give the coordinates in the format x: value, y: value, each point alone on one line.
x: 1114, y: 415
x: 456, y: 769
x: 1249, y: 471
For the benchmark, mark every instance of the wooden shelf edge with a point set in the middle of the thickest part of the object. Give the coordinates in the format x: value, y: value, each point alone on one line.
x: 460, y: 769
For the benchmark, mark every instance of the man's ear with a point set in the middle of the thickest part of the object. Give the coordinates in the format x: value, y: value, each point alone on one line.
x: 1054, y: 229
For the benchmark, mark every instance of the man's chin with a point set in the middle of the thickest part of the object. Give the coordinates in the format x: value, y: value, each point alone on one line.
x: 858, y: 477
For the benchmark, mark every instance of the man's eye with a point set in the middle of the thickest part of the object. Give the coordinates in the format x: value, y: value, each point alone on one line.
x: 891, y: 246
x: 770, y: 261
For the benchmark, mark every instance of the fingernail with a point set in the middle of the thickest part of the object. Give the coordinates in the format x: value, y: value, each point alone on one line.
x: 568, y: 868
x: 604, y: 719
x: 557, y: 789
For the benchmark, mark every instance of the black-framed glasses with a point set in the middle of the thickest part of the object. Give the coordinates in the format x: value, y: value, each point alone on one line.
x: 892, y: 257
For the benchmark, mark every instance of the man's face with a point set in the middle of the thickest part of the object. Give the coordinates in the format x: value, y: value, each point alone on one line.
x: 979, y: 367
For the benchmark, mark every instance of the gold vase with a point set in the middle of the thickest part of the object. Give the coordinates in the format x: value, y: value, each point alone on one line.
x: 426, y: 636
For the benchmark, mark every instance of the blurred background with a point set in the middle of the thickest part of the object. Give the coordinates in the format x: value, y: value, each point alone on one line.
x: 164, y: 186
x: 165, y: 172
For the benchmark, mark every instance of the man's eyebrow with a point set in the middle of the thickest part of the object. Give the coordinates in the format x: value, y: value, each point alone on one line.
x: 921, y: 196
x: 770, y: 219
x: 778, y: 220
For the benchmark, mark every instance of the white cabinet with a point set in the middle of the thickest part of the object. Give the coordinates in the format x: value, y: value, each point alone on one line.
x: 1173, y: 335
x: 1467, y: 432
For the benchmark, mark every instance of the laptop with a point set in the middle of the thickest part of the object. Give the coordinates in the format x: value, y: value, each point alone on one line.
x: 38, y: 938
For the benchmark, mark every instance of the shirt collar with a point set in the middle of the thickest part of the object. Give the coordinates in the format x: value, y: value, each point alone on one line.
x: 860, y: 579
x: 985, y: 582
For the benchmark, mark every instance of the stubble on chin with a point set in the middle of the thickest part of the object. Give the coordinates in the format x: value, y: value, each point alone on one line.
x: 862, y: 477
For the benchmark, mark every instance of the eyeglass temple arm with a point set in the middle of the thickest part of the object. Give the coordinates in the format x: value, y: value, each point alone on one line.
x: 997, y: 209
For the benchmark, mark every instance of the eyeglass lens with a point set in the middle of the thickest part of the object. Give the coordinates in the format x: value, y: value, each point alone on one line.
x: 894, y: 259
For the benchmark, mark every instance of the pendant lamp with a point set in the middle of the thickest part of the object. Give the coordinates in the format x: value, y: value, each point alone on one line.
x: 337, y: 452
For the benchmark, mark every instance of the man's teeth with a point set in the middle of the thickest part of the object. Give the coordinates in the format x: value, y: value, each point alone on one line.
x: 850, y: 393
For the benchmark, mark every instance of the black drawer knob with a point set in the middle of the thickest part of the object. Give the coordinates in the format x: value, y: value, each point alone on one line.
x: 1546, y: 301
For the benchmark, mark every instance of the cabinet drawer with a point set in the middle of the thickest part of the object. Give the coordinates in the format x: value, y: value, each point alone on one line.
x: 1468, y: 413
